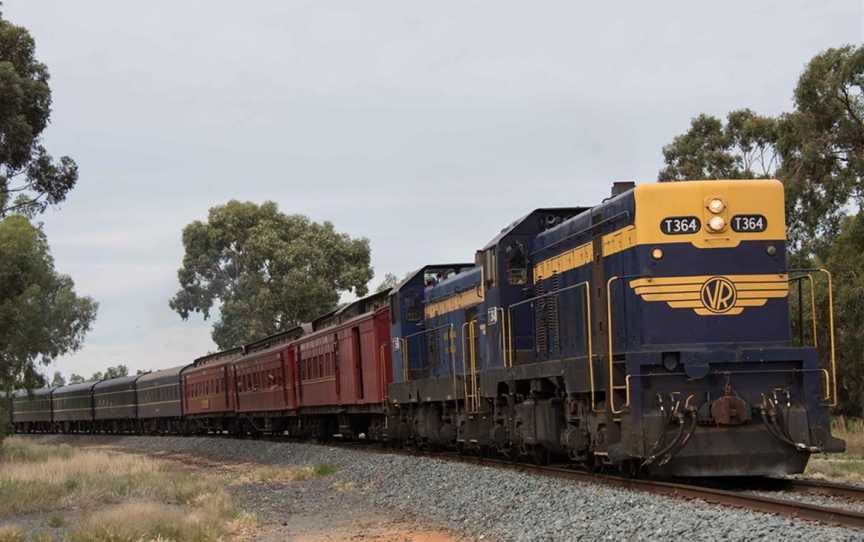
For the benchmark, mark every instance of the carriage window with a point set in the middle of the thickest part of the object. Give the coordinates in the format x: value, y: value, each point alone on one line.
x: 517, y: 264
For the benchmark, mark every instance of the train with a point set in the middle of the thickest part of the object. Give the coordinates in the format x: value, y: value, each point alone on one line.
x: 651, y: 333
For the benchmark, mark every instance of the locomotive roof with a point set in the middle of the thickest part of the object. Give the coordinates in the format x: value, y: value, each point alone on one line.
x: 73, y: 388
x: 460, y: 282
x: 552, y: 210
x: 412, y: 275
x: 579, y: 228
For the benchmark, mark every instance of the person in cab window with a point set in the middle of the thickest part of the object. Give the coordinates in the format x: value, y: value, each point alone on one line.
x: 517, y: 264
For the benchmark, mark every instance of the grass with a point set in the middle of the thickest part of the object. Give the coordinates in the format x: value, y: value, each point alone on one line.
x: 275, y: 473
x: 12, y: 534
x: 848, y: 465
x: 120, y: 497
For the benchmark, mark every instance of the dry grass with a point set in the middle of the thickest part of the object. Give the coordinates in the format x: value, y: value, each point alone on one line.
x: 845, y: 466
x: 12, y: 534
x: 852, y: 431
x: 275, y: 473
x: 35, y: 478
x: 137, y: 498
x: 134, y: 521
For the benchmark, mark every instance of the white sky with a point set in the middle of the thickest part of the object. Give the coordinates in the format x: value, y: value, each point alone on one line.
x: 425, y: 127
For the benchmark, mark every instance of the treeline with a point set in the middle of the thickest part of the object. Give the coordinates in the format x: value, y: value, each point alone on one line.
x: 41, y: 316
x: 111, y: 372
x: 817, y: 151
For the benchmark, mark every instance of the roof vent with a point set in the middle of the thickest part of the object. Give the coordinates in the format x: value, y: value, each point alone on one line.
x: 619, y: 187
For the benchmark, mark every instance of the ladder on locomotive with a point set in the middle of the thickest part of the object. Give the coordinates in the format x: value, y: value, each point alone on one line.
x: 469, y: 367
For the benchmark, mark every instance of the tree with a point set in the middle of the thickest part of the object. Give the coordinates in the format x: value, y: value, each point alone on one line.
x: 58, y: 380
x: 30, y: 179
x: 75, y: 379
x: 845, y: 262
x: 41, y: 317
x: 822, y: 146
x: 111, y: 372
x: 390, y: 281
x: 743, y: 148
x: 266, y: 271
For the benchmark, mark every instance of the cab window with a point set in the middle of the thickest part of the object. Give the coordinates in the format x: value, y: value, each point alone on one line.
x: 517, y: 264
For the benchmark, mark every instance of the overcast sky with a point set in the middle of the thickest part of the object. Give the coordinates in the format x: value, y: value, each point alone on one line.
x: 425, y: 127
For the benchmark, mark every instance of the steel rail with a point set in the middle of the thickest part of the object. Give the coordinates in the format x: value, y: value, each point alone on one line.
x: 723, y: 497
x: 770, y: 505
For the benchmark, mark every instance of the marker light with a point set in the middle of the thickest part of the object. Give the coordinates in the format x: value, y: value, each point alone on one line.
x: 657, y: 253
x: 716, y: 223
x: 716, y: 206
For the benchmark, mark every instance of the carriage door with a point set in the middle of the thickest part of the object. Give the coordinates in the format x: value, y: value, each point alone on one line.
x: 358, y: 361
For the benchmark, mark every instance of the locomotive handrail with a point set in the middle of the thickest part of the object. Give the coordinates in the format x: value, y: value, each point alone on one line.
x: 809, y: 278
x: 382, y: 370
x: 611, y: 373
x: 405, y: 370
x: 501, y: 332
x: 833, y: 355
x: 474, y: 405
x: 589, y: 346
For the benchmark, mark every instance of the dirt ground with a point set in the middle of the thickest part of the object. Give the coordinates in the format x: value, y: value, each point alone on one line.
x: 316, y: 510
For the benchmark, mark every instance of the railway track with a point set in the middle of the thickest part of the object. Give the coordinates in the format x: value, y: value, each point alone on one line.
x: 741, y: 497
x: 715, y: 491
x: 834, y: 515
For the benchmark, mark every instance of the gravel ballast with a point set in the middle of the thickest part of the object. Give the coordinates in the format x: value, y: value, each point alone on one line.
x: 495, y: 504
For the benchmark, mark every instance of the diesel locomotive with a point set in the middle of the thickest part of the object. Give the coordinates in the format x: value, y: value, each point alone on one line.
x: 650, y: 333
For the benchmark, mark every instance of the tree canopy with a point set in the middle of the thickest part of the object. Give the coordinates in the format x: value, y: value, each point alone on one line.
x: 41, y: 317
x: 265, y: 271
x: 389, y: 281
x: 742, y: 148
x: 111, y: 372
x: 30, y: 179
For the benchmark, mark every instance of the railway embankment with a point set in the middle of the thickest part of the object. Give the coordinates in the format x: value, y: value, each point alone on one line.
x: 380, y: 493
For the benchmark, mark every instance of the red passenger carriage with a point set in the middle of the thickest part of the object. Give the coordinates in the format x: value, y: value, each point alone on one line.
x: 209, y: 391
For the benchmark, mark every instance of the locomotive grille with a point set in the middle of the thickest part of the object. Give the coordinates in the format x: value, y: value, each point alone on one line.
x: 554, y: 333
x: 540, y: 344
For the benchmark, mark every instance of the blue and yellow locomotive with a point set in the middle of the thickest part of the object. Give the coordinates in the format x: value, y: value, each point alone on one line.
x: 650, y: 332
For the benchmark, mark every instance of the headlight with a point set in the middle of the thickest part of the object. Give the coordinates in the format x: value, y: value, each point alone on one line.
x: 716, y: 206
x: 716, y: 223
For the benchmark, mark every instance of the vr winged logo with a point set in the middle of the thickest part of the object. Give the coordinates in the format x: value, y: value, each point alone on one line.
x: 713, y: 295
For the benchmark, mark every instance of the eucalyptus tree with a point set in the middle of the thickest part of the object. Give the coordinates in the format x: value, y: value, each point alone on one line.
x: 262, y: 271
